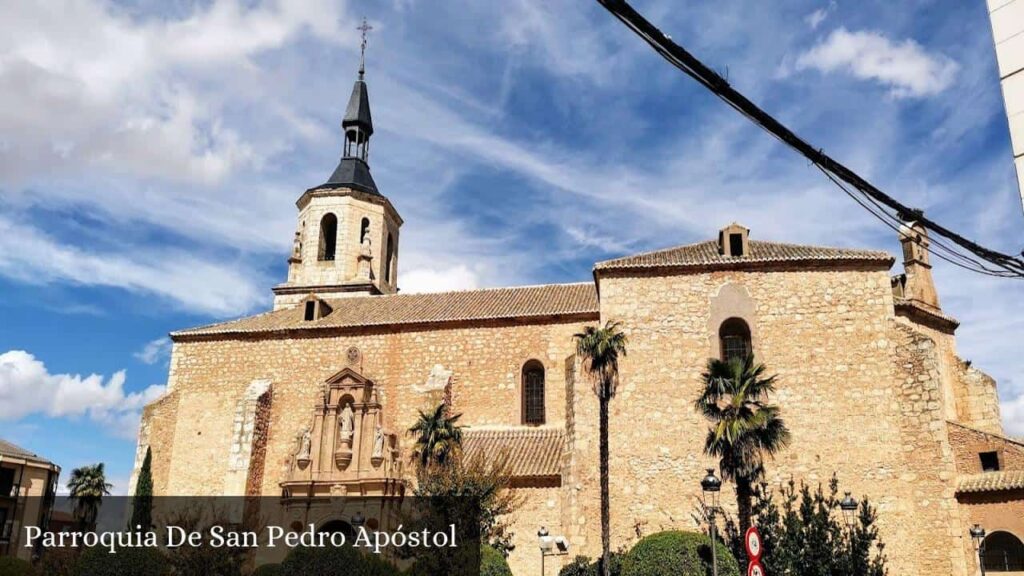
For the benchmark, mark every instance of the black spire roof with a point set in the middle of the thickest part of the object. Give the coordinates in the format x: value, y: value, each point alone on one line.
x: 358, y: 111
x: 353, y: 171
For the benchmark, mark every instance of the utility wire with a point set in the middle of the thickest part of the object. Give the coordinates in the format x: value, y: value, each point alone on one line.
x: 1005, y: 265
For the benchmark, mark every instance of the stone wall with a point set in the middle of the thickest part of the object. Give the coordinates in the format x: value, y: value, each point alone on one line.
x: 193, y: 431
x: 969, y: 443
x: 980, y: 399
x: 843, y: 387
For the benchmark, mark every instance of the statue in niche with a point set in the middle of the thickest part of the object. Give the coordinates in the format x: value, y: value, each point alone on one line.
x: 378, y: 443
x: 305, y: 445
x: 347, y: 423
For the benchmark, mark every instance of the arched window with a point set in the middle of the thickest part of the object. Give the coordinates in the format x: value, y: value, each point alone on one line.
x: 533, y: 393
x: 1004, y: 552
x: 389, y: 259
x: 328, y: 236
x: 364, y: 229
x: 734, y: 335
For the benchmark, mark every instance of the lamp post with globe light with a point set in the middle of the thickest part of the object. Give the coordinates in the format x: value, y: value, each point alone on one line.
x: 978, y: 536
x: 710, y: 485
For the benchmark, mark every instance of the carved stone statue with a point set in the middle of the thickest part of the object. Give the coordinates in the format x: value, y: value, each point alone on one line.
x: 365, y: 256
x: 347, y: 423
x: 304, y: 445
x: 297, y: 246
x: 378, y: 443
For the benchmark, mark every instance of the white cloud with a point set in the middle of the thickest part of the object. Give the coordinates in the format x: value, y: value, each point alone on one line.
x: 1013, y: 416
x: 27, y: 387
x: 907, y: 68
x: 814, y: 19
x: 194, y: 284
x: 154, y: 351
x: 85, y: 86
x: 458, y: 277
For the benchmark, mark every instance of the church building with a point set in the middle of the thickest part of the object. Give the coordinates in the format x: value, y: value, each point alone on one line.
x: 311, y: 400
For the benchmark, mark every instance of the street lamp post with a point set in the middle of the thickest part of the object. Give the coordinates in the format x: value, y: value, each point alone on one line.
x: 550, y: 546
x: 849, y: 508
x: 545, y: 545
x: 711, y: 486
x: 978, y: 536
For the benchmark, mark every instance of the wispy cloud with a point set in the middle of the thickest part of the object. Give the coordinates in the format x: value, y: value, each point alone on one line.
x: 814, y: 19
x: 180, y: 277
x: 154, y: 351
x: 905, y: 67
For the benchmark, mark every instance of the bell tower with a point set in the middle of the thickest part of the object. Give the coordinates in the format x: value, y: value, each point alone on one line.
x: 346, y: 240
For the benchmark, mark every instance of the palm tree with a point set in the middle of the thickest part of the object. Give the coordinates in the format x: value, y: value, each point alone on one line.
x: 744, y: 427
x: 87, y: 487
x: 600, y: 349
x: 438, y: 438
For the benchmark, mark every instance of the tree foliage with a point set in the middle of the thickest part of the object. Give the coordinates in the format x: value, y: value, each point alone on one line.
x: 437, y: 438
x: 584, y: 566
x: 744, y: 426
x: 482, y: 482
x: 600, y: 350
x: 142, y: 503
x: 677, y: 553
x: 87, y: 487
x: 804, y: 533
x: 493, y: 563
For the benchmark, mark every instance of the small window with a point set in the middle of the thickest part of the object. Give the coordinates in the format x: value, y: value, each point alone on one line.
x: 328, y: 236
x: 364, y: 229
x: 389, y: 259
x: 736, y: 244
x: 533, y: 393
x: 989, y: 461
x: 310, y: 311
x: 734, y: 336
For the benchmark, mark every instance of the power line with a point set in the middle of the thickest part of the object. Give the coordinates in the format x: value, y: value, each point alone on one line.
x: 1006, y: 266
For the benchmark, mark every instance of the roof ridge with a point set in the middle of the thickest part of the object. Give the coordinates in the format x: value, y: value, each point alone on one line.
x: 485, y: 289
x: 657, y: 250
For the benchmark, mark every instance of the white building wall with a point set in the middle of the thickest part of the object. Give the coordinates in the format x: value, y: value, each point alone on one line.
x: 1008, y: 32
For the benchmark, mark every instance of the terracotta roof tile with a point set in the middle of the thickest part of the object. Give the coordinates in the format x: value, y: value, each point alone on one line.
x: 533, y: 452
x: 469, y: 305
x: 991, y: 481
x: 705, y: 254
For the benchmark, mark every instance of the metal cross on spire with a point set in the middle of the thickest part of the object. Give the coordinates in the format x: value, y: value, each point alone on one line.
x: 364, y: 28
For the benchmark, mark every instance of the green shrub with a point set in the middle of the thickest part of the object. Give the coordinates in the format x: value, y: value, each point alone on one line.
x: 584, y: 566
x: 493, y: 563
x: 14, y: 567
x: 334, y: 561
x: 677, y: 553
x: 126, y: 562
x: 267, y: 570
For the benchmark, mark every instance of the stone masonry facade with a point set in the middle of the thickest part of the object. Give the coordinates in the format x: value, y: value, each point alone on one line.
x: 869, y: 383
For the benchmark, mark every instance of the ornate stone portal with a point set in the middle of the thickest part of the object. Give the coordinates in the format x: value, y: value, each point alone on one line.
x: 346, y: 451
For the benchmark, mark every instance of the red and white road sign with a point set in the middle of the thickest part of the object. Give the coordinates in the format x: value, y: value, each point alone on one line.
x: 752, y: 542
x: 755, y: 568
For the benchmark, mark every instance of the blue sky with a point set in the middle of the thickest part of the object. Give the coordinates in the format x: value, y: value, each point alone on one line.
x: 151, y: 153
